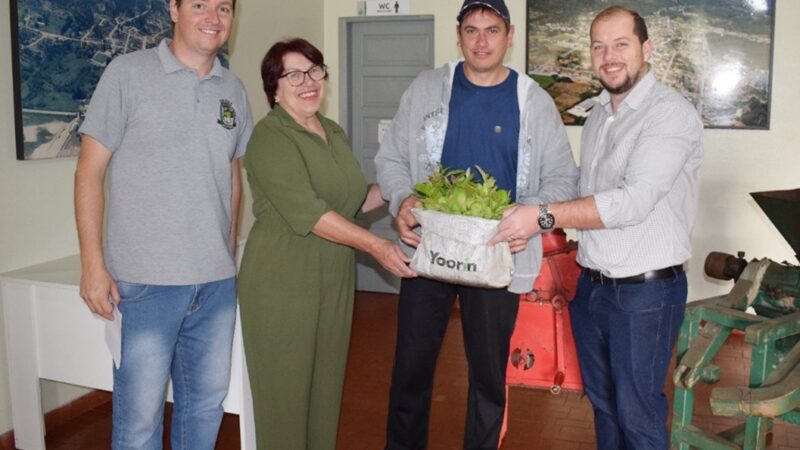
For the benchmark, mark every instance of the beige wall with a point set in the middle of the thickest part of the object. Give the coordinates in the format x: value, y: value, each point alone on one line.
x: 36, y: 221
x: 260, y: 23
x: 737, y: 161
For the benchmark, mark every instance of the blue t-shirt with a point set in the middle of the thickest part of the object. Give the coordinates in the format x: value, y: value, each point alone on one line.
x: 483, y: 129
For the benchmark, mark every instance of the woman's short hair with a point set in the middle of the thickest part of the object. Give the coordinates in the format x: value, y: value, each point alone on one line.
x: 272, y: 64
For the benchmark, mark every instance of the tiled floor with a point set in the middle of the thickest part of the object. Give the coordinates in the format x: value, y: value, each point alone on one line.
x: 537, y: 419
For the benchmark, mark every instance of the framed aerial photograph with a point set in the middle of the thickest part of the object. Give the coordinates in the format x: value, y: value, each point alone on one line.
x: 716, y: 53
x: 59, y: 50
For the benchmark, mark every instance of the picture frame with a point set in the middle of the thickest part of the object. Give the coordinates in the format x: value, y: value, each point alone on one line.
x: 716, y: 53
x: 59, y: 51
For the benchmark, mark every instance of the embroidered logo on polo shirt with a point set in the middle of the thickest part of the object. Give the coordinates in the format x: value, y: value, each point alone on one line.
x: 227, y: 115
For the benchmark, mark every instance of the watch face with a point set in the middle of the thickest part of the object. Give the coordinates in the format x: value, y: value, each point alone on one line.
x: 546, y: 221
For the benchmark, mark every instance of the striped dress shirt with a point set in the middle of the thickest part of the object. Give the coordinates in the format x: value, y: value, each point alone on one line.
x: 642, y: 164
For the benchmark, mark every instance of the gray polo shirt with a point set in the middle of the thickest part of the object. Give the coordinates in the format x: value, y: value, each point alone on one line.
x: 173, y: 137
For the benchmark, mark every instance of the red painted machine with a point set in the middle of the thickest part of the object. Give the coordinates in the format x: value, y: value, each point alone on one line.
x: 542, y: 347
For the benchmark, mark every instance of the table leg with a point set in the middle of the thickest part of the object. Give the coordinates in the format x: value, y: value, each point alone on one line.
x: 23, y: 364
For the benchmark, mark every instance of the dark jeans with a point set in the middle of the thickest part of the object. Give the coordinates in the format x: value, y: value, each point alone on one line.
x: 624, y: 336
x: 487, y: 319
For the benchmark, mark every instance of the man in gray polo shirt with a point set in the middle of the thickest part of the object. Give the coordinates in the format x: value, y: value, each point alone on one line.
x: 168, y: 125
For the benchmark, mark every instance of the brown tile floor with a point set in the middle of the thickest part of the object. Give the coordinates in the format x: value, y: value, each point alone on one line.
x: 537, y: 419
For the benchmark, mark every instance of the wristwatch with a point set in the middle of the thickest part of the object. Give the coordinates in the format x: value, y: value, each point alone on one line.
x: 546, y: 219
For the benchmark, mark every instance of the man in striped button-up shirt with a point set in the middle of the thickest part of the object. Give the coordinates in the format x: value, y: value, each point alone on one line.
x: 641, y: 152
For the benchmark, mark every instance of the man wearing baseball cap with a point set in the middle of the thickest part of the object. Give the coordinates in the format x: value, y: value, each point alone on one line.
x: 471, y: 112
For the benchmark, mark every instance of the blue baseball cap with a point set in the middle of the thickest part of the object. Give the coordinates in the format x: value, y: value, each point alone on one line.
x: 498, y: 6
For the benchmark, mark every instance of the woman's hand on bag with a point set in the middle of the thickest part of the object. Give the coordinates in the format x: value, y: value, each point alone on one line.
x: 393, y: 258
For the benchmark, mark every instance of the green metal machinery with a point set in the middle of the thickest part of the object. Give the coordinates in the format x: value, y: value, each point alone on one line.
x: 772, y: 290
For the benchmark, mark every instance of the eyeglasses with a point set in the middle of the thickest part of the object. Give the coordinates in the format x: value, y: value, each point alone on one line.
x: 298, y: 77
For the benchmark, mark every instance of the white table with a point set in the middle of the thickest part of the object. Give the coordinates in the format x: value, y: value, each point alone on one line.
x: 50, y: 334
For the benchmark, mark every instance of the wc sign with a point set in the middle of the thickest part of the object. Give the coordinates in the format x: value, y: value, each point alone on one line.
x: 387, y: 7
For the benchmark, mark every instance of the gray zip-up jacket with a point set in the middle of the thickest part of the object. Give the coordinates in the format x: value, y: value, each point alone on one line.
x: 412, y: 148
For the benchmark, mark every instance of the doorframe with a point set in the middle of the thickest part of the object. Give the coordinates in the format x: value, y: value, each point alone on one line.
x: 345, y: 24
x: 375, y: 277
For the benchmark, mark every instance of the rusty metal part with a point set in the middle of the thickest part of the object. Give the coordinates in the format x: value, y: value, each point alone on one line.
x: 724, y: 266
x: 523, y: 359
x: 780, y: 393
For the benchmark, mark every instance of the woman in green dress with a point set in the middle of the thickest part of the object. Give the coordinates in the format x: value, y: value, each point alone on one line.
x: 297, y: 279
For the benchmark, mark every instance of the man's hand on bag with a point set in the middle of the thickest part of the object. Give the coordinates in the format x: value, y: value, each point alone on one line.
x: 517, y: 226
x: 406, y: 221
x: 98, y: 290
x: 517, y: 245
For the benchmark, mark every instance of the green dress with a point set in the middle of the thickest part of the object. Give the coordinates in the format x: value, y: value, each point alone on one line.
x: 295, y: 288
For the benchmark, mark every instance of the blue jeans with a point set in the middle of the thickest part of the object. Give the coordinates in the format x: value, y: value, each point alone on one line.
x: 181, y: 331
x: 624, y: 336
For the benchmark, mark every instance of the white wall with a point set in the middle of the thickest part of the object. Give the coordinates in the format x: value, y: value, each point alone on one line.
x: 36, y: 218
x: 737, y: 161
x: 36, y: 222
